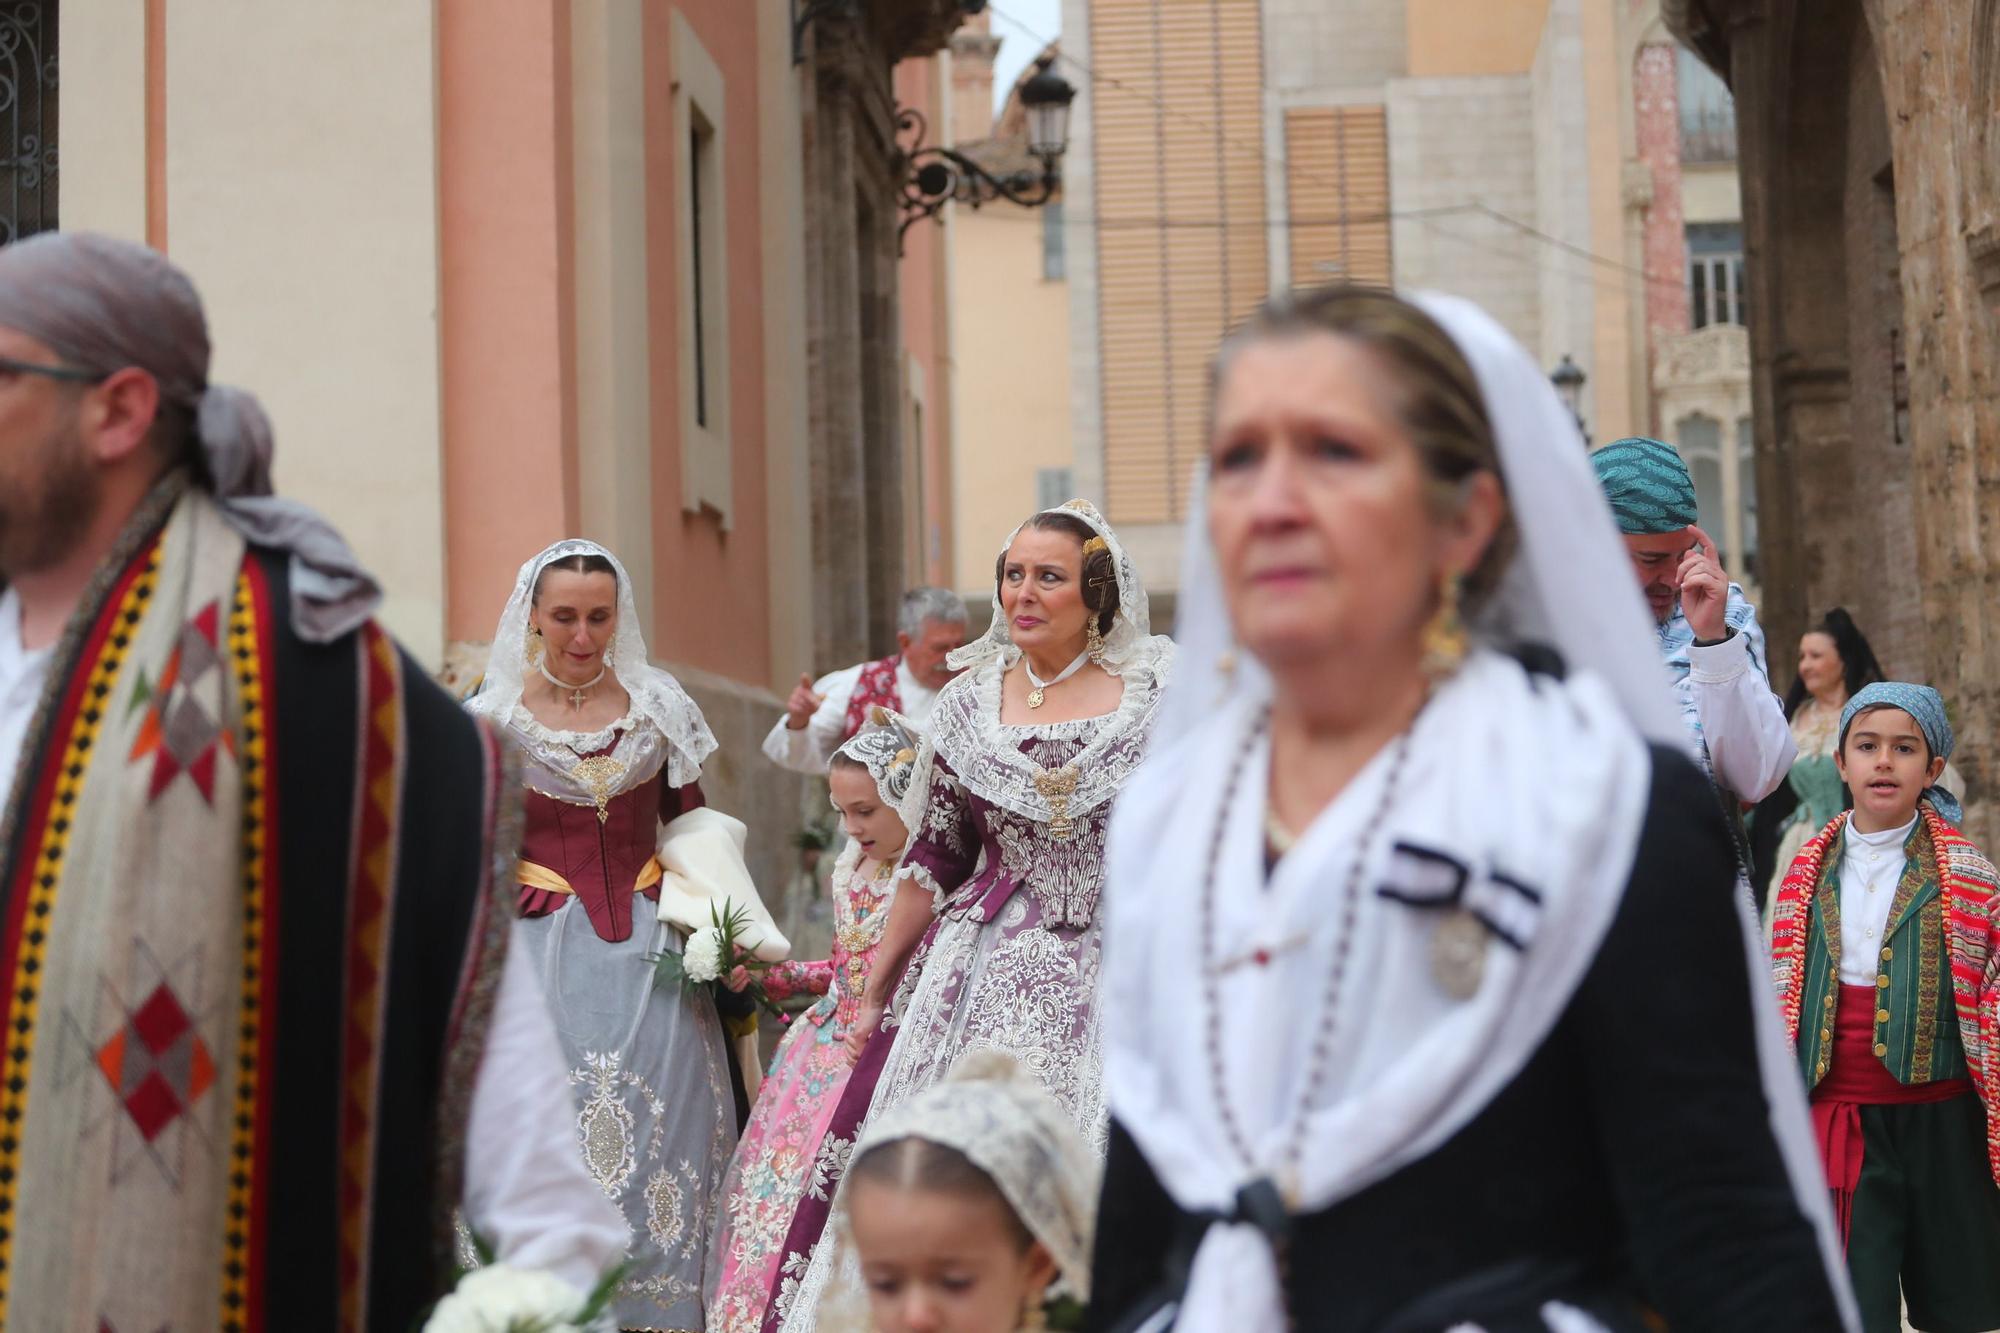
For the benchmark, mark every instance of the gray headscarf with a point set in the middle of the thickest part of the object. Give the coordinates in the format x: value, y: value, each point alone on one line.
x: 103, y: 304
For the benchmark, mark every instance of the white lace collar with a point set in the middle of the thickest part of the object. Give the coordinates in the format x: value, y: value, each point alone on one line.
x: 985, y: 754
x: 583, y: 742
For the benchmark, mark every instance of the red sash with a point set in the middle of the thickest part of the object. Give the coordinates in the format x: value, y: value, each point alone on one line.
x: 1856, y: 1077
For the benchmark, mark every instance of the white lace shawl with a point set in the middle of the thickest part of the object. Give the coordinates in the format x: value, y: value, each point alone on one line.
x: 657, y: 698
x: 985, y: 754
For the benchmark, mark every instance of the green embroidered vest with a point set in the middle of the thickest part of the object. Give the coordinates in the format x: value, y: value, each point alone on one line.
x: 1916, y: 1027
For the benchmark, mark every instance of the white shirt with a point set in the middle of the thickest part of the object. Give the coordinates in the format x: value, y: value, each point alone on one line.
x: 527, y: 1190
x: 1749, y: 741
x: 22, y: 675
x: 1871, y: 865
x: 810, y: 748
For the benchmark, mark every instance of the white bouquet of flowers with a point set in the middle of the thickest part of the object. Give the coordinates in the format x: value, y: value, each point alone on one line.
x: 701, y: 957
x: 712, y: 955
x: 499, y: 1299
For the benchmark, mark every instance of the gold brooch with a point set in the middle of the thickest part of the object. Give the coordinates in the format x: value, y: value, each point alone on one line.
x: 1057, y: 786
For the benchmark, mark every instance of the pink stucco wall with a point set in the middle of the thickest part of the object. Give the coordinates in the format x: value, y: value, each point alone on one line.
x: 922, y: 294
x: 506, y: 317
x: 1656, y: 116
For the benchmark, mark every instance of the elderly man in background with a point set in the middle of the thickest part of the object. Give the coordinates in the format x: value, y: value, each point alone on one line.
x: 261, y: 1039
x: 823, y: 715
x: 1709, y: 636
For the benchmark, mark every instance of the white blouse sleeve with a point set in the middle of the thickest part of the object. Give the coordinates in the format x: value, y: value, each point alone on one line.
x: 527, y: 1191
x: 1749, y: 742
x: 810, y: 749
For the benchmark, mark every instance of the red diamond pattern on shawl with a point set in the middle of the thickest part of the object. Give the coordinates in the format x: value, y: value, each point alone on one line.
x: 156, y: 1063
x: 160, y: 1020
x: 369, y: 900
x: 178, y: 732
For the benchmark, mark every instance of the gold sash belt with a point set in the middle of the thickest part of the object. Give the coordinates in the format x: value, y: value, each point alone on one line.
x: 541, y: 877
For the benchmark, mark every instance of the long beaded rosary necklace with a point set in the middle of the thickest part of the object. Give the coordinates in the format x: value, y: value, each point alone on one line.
x: 1263, y: 1200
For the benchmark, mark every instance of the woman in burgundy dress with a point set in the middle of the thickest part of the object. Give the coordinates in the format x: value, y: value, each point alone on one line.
x: 613, y: 754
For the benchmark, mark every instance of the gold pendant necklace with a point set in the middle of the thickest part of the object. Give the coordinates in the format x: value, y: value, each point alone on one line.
x: 1039, y: 694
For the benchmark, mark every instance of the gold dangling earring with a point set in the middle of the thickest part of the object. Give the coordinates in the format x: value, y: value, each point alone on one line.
x: 1093, y: 640
x: 1035, y: 1318
x: 531, y: 652
x: 1445, y: 643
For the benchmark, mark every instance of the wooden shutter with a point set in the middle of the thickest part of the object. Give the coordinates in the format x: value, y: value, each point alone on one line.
x: 1182, y: 253
x: 1337, y: 182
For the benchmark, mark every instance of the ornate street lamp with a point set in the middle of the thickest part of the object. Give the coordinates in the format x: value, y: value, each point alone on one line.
x: 933, y: 177
x: 1568, y: 377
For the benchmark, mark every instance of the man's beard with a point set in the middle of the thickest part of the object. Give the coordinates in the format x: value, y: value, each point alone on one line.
x: 44, y: 516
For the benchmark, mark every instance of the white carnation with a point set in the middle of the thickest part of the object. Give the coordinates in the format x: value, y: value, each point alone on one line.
x: 702, y: 958
x: 498, y: 1299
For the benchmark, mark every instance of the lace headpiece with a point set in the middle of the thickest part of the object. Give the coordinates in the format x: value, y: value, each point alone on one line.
x: 656, y: 696
x: 888, y: 750
x: 1004, y: 1121
x: 1129, y: 642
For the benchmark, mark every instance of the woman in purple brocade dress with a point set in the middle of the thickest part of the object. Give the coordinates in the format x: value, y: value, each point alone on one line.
x: 997, y: 909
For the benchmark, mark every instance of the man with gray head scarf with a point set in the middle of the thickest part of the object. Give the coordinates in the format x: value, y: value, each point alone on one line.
x: 263, y: 1031
x: 824, y: 714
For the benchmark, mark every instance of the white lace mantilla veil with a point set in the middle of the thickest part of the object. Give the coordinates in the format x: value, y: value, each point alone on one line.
x: 1570, y: 587
x: 656, y: 695
x: 1129, y: 643
x: 1004, y: 1121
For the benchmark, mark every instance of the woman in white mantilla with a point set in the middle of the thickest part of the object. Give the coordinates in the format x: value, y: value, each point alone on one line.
x: 620, y: 861
x: 997, y: 917
x: 1429, y: 1002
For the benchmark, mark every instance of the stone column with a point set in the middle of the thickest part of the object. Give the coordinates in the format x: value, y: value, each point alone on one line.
x: 1931, y: 88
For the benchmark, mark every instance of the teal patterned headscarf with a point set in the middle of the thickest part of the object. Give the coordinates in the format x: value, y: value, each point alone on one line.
x: 1926, y: 706
x: 1648, y: 486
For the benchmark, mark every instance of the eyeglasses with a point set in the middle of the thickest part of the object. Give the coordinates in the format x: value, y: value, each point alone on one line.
x: 72, y: 374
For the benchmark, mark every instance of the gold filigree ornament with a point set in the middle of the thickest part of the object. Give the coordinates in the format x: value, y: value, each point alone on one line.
x: 1057, y: 785
x: 599, y: 776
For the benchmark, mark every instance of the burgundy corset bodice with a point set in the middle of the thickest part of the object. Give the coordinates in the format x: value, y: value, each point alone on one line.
x: 601, y: 858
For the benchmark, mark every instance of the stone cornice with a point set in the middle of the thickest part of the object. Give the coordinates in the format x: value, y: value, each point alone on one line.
x: 907, y: 28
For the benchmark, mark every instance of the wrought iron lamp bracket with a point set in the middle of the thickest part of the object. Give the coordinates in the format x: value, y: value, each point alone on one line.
x: 932, y: 177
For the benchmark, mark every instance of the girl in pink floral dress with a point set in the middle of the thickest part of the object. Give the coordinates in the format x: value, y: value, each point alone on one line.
x: 774, y: 1164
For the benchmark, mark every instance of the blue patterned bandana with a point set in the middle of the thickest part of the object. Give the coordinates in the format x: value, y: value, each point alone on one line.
x: 1926, y: 706
x: 1648, y: 486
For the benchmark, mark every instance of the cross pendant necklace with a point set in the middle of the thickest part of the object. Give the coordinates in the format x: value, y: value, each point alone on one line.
x: 577, y: 694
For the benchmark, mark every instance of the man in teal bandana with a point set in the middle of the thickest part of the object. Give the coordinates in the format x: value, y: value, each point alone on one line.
x: 1709, y: 636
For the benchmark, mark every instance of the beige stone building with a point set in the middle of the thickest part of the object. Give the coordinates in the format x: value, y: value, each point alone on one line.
x: 1869, y: 134
x: 506, y: 271
x: 1224, y: 150
x: 1009, y: 332
x: 1230, y: 149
